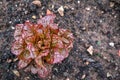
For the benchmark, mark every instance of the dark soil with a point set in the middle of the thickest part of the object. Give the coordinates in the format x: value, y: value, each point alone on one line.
x: 93, y: 22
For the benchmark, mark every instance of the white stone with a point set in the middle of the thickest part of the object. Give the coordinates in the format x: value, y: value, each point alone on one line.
x: 12, y: 27
x: 78, y: 2
x: 111, y: 44
x: 87, y: 8
x: 61, y: 11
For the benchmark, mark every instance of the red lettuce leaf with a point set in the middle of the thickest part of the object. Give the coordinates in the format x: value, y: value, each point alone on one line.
x: 47, y: 20
x: 60, y: 55
x: 23, y: 63
x: 17, y: 47
x: 40, y: 45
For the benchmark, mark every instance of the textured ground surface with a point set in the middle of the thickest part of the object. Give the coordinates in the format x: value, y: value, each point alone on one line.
x: 93, y: 22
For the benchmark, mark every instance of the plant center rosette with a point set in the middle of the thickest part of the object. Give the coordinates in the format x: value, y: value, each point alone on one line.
x: 40, y: 45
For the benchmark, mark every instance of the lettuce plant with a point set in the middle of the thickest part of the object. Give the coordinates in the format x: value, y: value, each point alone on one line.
x: 40, y: 45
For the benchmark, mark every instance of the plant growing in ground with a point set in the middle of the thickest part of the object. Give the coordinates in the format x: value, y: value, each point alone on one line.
x: 40, y: 45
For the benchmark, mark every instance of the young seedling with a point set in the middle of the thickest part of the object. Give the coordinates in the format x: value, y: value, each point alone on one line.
x: 38, y: 46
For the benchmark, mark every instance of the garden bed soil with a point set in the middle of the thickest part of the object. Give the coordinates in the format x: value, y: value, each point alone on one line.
x: 93, y: 23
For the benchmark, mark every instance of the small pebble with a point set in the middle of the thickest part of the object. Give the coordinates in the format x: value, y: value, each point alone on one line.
x: 108, y: 74
x: 61, y: 11
x: 56, y: 69
x: 26, y: 12
x: 111, y: 44
x: 78, y: 2
x: 34, y: 17
x: 16, y: 5
x: 67, y: 79
x: 27, y: 78
x: 12, y: 27
x: 90, y: 50
x: 102, y: 12
x: 15, y: 59
x: 112, y: 4
x: 53, y: 6
x: 10, y: 22
x: 87, y: 63
x: 105, y: 57
x: 101, y: 21
x: 0, y: 3
x: 16, y: 73
x: 53, y: 76
x: 9, y: 60
x: 116, y: 68
x: 115, y: 16
x: 95, y: 7
x: 87, y: 8
x: 88, y: 60
x: 83, y: 39
x: 83, y: 76
x: 83, y: 28
x: 72, y: 8
x: 66, y: 7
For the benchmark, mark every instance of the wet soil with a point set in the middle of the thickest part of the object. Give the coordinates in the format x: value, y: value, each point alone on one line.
x: 93, y: 22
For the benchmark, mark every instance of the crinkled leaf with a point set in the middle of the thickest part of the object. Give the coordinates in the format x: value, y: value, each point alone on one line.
x: 59, y: 55
x: 34, y: 70
x: 54, y: 28
x: 38, y: 60
x: 30, y: 40
x: 47, y: 20
x: 18, y: 31
x: 23, y: 63
x: 17, y: 51
x: 70, y: 46
x: 27, y: 33
x: 43, y: 43
x: 17, y: 47
x: 31, y: 68
x: 42, y: 72
x: 33, y: 51
x: 25, y: 55
x: 28, y: 30
x: 57, y: 43
x: 65, y: 40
